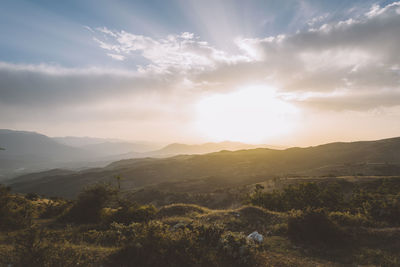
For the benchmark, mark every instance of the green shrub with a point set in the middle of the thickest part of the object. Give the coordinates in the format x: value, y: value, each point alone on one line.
x: 377, y: 205
x: 30, y: 249
x: 32, y: 196
x: 131, y: 212
x: 300, y: 196
x: 111, y: 237
x: 15, y: 212
x: 88, y: 207
x: 314, y: 227
x: 180, y: 210
x: 157, y: 244
x: 348, y: 219
x: 53, y: 209
x: 377, y: 257
x: 33, y: 249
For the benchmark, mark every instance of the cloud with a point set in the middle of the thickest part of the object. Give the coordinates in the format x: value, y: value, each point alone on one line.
x: 177, y: 52
x: 111, y: 102
x: 345, y: 65
x: 359, y: 56
x: 35, y: 96
x: 317, y: 20
x: 88, y: 28
x: 116, y: 57
x: 36, y: 85
x: 353, y: 101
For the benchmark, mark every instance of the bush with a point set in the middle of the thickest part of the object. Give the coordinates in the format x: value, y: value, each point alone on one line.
x: 53, y: 209
x: 377, y: 257
x: 88, y: 207
x: 300, y: 196
x: 314, y: 227
x: 32, y: 196
x: 377, y: 206
x: 348, y: 219
x: 180, y: 210
x: 131, y: 212
x: 156, y: 244
x: 116, y: 235
x: 15, y: 211
x: 31, y: 248
x: 385, y: 208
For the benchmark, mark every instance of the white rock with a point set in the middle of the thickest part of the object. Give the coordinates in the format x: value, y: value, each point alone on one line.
x: 177, y: 226
x: 255, y: 236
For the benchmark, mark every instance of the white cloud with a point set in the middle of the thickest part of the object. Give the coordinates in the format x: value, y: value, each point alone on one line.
x: 88, y: 28
x: 358, y: 55
x: 377, y: 10
x: 317, y: 20
x: 346, y: 65
x: 181, y: 52
x: 116, y: 57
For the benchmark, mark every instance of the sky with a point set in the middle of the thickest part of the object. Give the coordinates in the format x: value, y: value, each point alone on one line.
x: 290, y: 73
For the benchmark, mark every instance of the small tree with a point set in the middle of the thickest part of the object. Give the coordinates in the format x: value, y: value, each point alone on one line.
x: 87, y: 209
x: 30, y: 248
x: 119, y: 178
x: 259, y: 188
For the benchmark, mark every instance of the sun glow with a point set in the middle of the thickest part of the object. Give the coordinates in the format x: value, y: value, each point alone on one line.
x: 252, y: 114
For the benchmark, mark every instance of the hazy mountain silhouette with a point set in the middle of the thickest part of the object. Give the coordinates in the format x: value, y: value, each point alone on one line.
x: 179, y: 149
x: 29, y: 151
x: 82, y: 141
x: 227, y: 168
x: 106, y: 146
x: 31, y: 143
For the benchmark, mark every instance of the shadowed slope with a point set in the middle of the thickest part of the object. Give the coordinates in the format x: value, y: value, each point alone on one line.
x: 227, y: 168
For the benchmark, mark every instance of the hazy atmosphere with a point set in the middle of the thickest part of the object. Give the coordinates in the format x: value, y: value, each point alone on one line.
x: 199, y: 133
x: 274, y: 72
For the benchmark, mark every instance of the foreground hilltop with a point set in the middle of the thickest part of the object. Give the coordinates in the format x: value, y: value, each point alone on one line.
x: 227, y: 168
x: 324, y: 223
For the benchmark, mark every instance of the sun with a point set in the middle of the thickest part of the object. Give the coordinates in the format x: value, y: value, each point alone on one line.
x: 251, y: 114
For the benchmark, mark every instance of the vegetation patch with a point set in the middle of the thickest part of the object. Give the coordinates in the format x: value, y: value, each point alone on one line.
x: 104, y: 228
x: 180, y: 210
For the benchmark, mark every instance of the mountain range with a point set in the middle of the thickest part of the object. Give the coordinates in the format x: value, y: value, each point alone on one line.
x: 208, y: 172
x: 26, y: 152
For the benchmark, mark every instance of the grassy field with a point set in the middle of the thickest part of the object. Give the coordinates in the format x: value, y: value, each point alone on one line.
x: 342, y: 230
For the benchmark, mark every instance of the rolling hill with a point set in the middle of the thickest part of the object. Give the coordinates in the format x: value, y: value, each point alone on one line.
x: 26, y: 152
x: 209, y: 172
x: 106, y: 146
x: 179, y: 149
x: 29, y: 151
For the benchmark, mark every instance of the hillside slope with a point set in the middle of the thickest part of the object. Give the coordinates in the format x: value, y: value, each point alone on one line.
x: 178, y: 149
x: 227, y: 168
x: 29, y: 151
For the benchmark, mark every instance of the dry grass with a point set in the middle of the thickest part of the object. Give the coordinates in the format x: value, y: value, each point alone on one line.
x: 189, y: 210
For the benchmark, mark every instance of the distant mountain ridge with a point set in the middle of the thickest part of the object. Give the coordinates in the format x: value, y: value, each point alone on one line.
x: 228, y: 168
x: 82, y: 141
x: 27, y: 152
x: 30, y: 151
x: 33, y: 151
x: 177, y: 148
x: 106, y: 146
x: 31, y: 143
